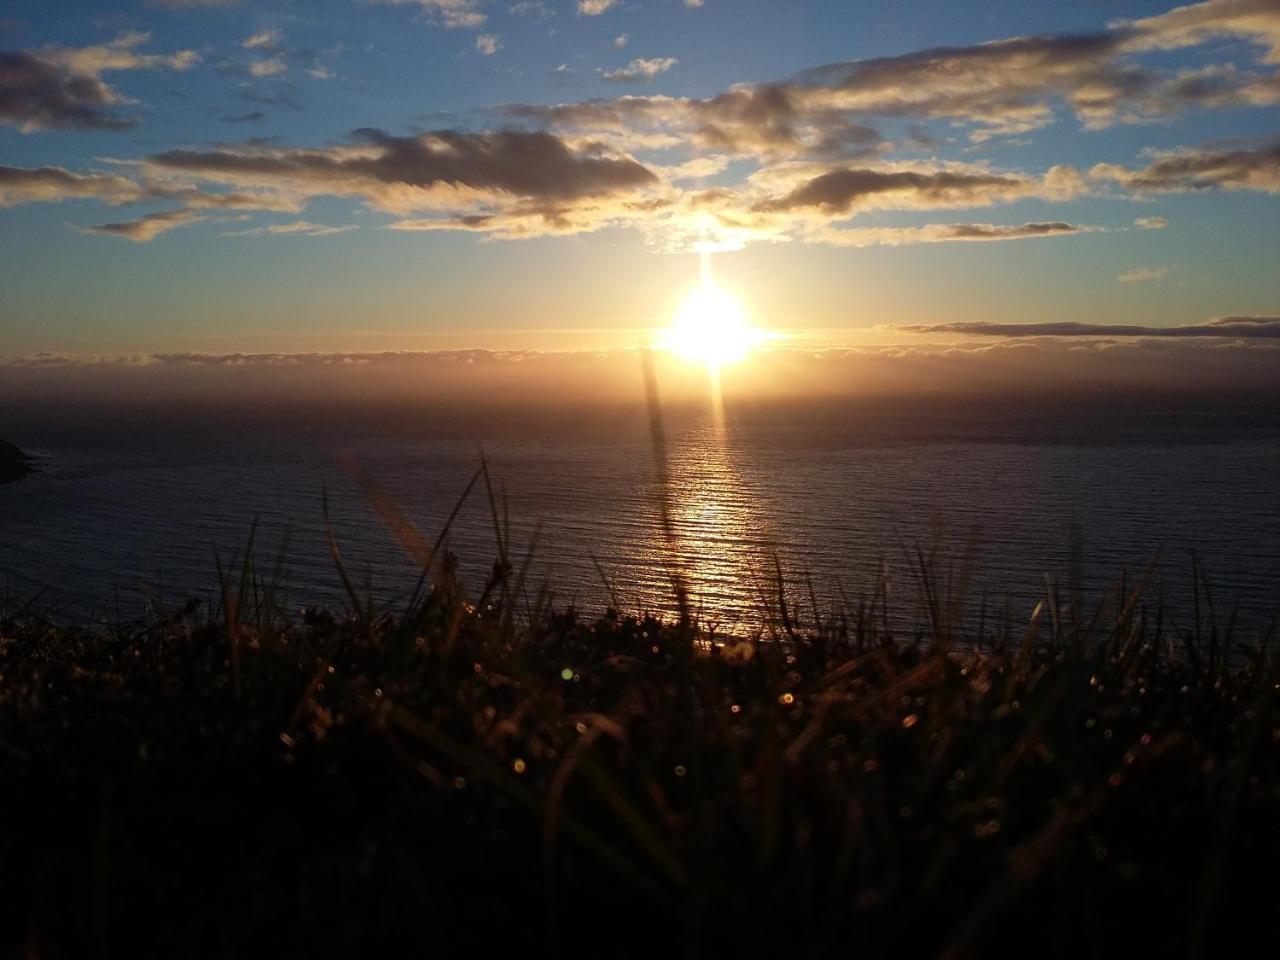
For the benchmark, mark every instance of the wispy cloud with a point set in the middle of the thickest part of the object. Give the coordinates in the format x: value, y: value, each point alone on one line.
x: 1240, y: 327
x: 191, y: 4
x: 1143, y: 275
x: 263, y: 40
x: 535, y: 9
x: 299, y: 228
x: 640, y: 69
x: 20, y: 185
x: 943, y: 233
x: 453, y: 14
x: 147, y: 228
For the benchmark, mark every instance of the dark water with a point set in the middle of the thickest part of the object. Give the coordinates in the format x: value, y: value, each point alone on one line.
x: 131, y: 506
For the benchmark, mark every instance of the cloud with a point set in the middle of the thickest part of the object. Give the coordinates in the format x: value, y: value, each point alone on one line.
x: 299, y: 228
x: 1187, y: 170
x: 119, y: 54
x: 453, y: 14
x: 800, y: 160
x: 620, y: 40
x: 693, y: 3
x: 191, y: 4
x: 640, y: 69
x: 509, y: 183
x: 256, y: 116
x: 51, y: 184
x: 37, y: 95
x: 62, y: 88
x: 998, y: 89
x: 263, y: 40
x: 593, y: 8
x: 1239, y: 327
x: 1143, y: 274
x: 147, y: 228
x: 840, y: 192
x: 1151, y: 223
x: 271, y: 67
x: 19, y: 185
x: 1124, y: 374
x: 536, y: 9
x: 943, y: 233
x: 1256, y: 20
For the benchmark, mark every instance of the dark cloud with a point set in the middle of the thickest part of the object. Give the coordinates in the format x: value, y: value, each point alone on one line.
x: 35, y: 94
x: 987, y: 231
x: 147, y: 228
x: 840, y: 190
x: 943, y: 233
x: 59, y: 88
x: 1237, y: 327
x: 403, y: 173
x: 257, y: 116
x: 1202, y: 169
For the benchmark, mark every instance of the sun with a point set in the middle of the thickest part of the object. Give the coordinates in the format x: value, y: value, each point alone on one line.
x: 710, y: 327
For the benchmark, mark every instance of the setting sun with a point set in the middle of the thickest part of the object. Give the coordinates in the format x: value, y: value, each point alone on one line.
x: 710, y: 327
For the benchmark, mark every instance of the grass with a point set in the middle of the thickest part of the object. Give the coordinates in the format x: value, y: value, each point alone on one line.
x: 489, y: 772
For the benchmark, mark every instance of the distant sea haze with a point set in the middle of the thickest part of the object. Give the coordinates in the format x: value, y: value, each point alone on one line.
x: 128, y: 507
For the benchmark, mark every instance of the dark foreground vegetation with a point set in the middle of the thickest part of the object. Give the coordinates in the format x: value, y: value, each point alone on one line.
x: 499, y: 775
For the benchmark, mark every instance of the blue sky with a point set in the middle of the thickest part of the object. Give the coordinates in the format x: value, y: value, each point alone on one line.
x: 209, y: 191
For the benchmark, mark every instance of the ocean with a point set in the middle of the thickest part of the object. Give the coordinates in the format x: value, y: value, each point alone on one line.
x: 131, y: 507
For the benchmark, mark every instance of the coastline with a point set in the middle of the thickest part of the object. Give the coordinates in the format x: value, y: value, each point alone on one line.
x: 14, y: 464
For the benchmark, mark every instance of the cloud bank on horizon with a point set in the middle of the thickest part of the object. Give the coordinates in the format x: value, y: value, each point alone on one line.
x: 804, y: 159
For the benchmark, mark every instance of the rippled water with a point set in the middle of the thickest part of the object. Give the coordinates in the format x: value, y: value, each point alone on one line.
x: 126, y: 508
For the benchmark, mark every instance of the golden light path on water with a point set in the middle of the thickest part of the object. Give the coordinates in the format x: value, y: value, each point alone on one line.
x: 722, y: 543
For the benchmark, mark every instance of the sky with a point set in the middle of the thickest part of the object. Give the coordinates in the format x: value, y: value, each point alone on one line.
x: 212, y: 176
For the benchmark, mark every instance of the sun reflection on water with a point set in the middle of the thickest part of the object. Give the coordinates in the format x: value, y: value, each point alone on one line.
x: 722, y: 542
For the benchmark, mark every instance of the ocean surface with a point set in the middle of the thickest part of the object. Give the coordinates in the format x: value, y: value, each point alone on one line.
x: 131, y: 508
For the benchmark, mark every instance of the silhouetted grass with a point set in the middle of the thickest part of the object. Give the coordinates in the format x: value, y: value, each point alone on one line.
x: 488, y: 772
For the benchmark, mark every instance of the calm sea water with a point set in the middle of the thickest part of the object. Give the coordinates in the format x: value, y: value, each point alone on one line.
x: 128, y: 507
